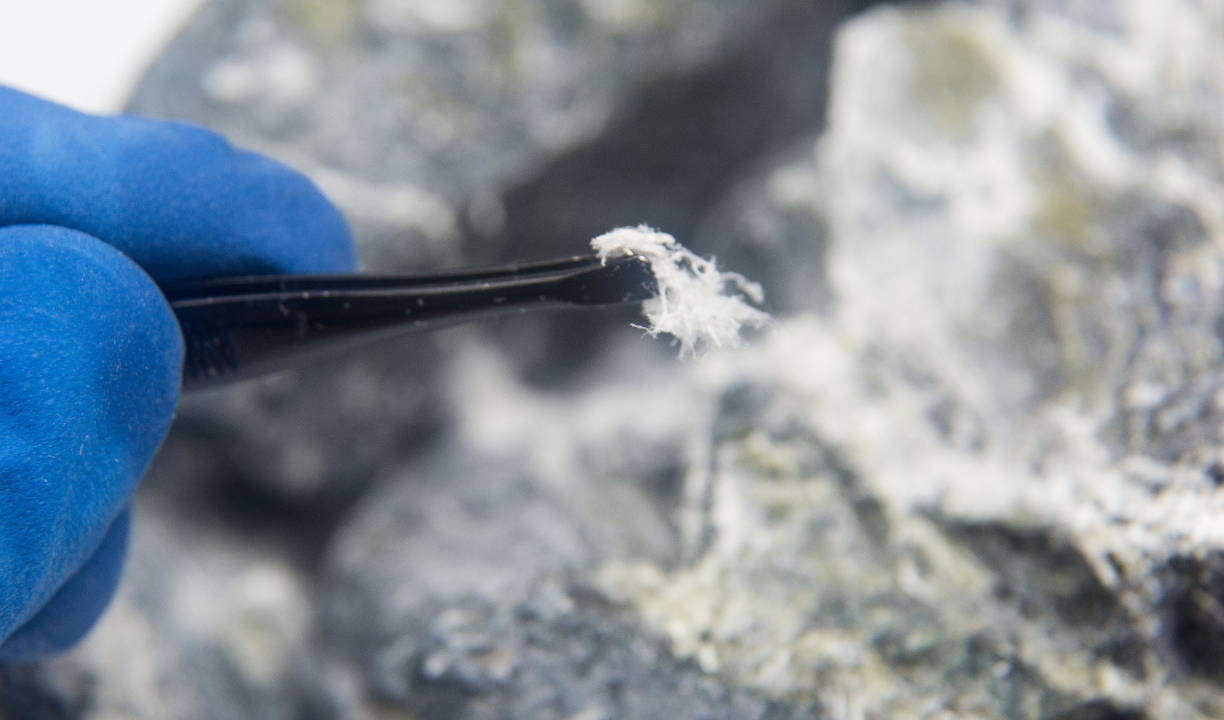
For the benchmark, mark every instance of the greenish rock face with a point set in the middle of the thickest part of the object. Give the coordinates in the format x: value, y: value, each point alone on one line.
x: 971, y: 472
x: 1017, y: 370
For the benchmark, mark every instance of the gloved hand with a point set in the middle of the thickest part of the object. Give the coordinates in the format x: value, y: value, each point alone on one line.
x: 93, y: 212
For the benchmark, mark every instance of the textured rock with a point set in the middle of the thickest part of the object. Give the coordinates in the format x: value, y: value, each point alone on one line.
x: 460, y: 601
x: 1017, y: 370
x: 981, y: 484
x: 973, y: 472
x: 418, y: 117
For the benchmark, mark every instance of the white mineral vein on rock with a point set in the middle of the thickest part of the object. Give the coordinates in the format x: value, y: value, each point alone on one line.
x: 1025, y: 217
x: 980, y: 175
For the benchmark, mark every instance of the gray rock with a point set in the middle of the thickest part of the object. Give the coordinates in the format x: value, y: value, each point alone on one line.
x: 760, y: 557
x: 420, y: 118
x: 457, y: 594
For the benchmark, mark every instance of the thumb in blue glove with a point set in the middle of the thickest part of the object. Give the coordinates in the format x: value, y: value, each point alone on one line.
x: 93, y: 211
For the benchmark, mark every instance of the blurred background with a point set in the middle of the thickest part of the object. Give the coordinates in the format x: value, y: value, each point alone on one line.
x: 971, y: 472
x: 88, y: 56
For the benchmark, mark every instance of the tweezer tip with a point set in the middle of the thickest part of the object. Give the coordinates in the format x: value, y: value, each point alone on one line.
x: 619, y: 280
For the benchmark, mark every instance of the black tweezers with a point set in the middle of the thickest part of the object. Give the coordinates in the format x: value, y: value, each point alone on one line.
x: 240, y: 327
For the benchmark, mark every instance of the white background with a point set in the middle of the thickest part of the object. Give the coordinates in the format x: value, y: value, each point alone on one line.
x: 87, y: 54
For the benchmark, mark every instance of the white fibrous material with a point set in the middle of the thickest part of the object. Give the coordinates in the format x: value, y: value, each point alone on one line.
x: 697, y: 304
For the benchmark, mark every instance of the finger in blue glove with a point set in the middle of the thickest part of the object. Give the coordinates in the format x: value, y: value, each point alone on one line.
x: 77, y: 605
x: 90, y: 361
x: 177, y: 199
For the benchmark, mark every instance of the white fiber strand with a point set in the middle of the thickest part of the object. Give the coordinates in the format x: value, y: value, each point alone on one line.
x: 693, y: 303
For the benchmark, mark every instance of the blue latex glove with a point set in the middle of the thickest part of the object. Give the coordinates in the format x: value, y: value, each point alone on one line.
x: 93, y: 211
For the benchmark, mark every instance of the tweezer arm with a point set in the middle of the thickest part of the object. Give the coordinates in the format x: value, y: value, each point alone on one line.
x: 237, y: 328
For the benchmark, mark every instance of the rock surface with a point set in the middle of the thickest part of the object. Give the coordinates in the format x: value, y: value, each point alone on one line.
x: 973, y: 471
